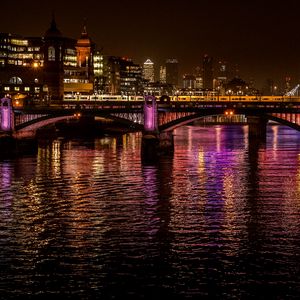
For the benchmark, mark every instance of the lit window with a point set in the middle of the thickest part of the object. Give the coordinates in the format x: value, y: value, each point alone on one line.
x: 51, y: 53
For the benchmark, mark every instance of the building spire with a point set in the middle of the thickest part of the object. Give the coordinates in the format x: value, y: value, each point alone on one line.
x: 84, y: 33
x: 53, y: 31
x: 53, y: 23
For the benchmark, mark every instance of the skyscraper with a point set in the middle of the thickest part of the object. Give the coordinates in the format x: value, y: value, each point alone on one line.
x: 207, y: 72
x: 162, y: 74
x: 148, y: 70
x: 172, y: 71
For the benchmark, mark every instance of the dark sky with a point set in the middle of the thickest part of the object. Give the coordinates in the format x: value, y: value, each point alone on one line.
x: 261, y: 37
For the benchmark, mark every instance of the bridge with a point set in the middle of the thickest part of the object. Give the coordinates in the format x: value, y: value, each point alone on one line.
x: 156, y: 118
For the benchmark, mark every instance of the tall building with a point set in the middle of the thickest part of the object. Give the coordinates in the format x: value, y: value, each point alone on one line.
x: 172, y: 72
x: 47, y: 67
x: 207, y: 72
x: 21, y: 62
x: 122, y: 76
x: 162, y: 74
x: 53, y: 62
x: 148, y: 70
x: 189, y: 81
x: 79, y: 64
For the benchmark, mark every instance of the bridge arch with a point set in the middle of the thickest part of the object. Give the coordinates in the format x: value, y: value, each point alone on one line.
x: 29, y: 128
x: 284, y: 122
x: 170, y: 126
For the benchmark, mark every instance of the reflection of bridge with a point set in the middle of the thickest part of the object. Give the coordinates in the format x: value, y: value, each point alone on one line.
x: 152, y: 117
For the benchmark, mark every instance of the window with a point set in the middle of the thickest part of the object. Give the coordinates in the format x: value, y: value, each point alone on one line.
x: 51, y: 53
x: 15, y: 80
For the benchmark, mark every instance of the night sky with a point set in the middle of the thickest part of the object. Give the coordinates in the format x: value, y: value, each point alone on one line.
x: 261, y: 37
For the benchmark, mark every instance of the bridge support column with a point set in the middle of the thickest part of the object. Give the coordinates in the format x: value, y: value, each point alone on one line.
x: 150, y: 139
x: 153, y: 142
x: 257, y: 128
x: 7, y: 115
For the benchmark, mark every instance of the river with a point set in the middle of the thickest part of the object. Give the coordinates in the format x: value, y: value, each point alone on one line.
x: 85, y: 219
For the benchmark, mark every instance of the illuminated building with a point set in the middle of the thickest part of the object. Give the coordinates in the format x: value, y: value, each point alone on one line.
x: 98, y: 70
x: 79, y: 72
x: 44, y: 68
x: 199, y: 82
x: 122, y: 76
x: 148, y: 70
x: 189, y: 81
x: 21, y: 63
x: 162, y: 74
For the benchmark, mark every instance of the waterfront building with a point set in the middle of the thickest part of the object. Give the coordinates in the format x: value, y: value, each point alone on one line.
x: 21, y: 62
x: 79, y: 73
x: 53, y: 70
x: 45, y: 68
x: 122, y: 76
x: 148, y: 70
x: 98, y: 71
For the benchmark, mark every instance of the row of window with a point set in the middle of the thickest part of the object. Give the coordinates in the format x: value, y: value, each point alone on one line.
x: 19, y: 89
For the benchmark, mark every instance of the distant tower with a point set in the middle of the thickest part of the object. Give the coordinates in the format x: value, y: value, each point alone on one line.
x: 83, y: 48
x: 148, y: 70
x: 162, y: 74
x: 53, y: 62
x: 84, y: 53
x: 207, y: 72
x: 172, y: 71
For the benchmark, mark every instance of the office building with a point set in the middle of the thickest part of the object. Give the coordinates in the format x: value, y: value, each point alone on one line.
x: 208, y: 72
x: 172, y: 72
x: 148, y: 70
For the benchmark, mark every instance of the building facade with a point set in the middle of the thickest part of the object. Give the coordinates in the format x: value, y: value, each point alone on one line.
x: 208, y: 76
x: 148, y: 70
x: 45, y: 68
x: 172, y: 72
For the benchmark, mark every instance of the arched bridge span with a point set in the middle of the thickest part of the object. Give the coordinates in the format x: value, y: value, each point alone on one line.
x: 27, y: 125
x: 290, y: 120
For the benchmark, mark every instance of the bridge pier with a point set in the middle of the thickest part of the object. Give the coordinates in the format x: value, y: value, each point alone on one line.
x: 7, y: 123
x: 154, y: 143
x: 257, y: 128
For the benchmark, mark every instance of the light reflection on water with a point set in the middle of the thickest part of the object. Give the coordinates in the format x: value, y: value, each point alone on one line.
x: 86, y: 219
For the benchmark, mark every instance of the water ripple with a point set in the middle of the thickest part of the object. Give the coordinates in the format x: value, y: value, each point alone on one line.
x: 220, y: 219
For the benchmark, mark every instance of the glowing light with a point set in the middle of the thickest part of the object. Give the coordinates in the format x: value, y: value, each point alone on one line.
x: 150, y: 114
x: 229, y: 112
x: 77, y: 115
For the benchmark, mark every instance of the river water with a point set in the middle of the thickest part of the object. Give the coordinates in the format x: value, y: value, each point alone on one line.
x: 84, y: 219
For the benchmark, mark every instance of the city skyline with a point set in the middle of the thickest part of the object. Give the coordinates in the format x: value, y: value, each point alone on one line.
x: 260, y: 38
